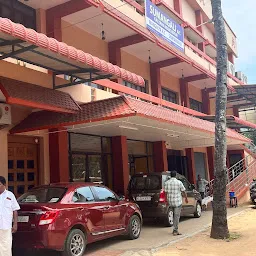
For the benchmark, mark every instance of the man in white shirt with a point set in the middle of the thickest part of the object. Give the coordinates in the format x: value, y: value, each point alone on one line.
x: 174, y: 190
x: 8, y: 213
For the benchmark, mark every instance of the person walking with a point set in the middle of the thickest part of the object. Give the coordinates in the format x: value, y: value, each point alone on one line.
x: 201, y: 185
x: 174, y: 190
x: 8, y: 213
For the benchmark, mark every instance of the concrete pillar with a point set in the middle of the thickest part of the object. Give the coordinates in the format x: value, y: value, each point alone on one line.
x: 178, y: 6
x: 59, y: 157
x: 191, y: 165
x: 160, y: 156
x: 155, y: 81
x: 120, y: 164
x: 4, y: 154
x: 210, y: 157
x: 184, y: 94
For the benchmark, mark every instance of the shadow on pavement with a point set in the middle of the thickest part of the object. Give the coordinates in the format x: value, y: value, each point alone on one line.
x: 94, y: 247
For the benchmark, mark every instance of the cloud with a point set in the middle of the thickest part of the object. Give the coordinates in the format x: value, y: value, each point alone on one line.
x: 240, y: 15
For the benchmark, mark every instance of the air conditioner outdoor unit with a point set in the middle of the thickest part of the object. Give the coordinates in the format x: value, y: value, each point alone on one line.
x: 242, y: 77
x: 231, y: 68
x: 5, y: 114
x: 239, y: 75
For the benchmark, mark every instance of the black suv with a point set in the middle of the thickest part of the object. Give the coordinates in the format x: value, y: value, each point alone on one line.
x: 147, y: 191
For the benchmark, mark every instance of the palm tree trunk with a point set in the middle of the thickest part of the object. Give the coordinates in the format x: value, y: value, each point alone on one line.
x: 219, y: 220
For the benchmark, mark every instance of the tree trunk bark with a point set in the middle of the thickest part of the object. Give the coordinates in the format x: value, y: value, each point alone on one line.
x: 219, y: 220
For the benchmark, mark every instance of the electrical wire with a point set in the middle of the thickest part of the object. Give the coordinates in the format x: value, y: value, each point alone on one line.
x: 82, y: 21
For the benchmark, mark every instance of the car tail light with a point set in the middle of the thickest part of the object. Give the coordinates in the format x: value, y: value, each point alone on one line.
x: 48, y: 217
x: 162, y: 197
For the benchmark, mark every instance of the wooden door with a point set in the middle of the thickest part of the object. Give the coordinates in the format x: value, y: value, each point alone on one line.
x: 22, y: 167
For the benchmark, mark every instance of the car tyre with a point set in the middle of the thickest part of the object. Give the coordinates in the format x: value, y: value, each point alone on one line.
x: 75, y: 243
x: 198, y: 210
x: 169, y: 218
x: 134, y: 227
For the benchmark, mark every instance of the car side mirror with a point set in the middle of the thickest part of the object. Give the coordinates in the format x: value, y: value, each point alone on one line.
x: 121, y: 197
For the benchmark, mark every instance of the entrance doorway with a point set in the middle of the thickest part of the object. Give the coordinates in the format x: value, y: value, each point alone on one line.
x: 90, y: 159
x: 177, y: 162
x: 200, y: 165
x: 90, y: 168
x: 22, y: 164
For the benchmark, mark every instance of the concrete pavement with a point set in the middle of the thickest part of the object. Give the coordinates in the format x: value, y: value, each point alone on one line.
x: 153, y: 236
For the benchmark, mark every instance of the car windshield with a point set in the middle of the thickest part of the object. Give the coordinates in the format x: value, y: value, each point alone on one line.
x: 146, y: 182
x: 43, y: 195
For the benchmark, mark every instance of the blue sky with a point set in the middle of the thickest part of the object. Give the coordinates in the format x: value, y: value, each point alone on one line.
x: 241, y: 16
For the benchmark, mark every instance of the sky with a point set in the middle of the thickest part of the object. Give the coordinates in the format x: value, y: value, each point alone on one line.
x: 241, y: 16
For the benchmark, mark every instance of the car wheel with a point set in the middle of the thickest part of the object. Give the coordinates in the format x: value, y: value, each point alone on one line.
x: 134, y: 227
x: 198, y: 211
x: 169, y: 218
x: 75, y: 243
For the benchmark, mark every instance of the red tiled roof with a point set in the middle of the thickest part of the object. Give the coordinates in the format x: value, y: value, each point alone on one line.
x: 116, y: 108
x: 243, y: 122
x: 41, y: 40
x: 20, y: 93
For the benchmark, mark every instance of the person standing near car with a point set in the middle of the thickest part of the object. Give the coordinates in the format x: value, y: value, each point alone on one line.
x: 201, y: 185
x: 174, y: 190
x: 8, y: 213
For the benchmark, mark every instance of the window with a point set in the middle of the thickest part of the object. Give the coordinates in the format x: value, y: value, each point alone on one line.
x: 134, y: 86
x: 18, y: 12
x: 42, y: 195
x: 145, y: 182
x: 104, y: 194
x: 83, y: 195
x: 169, y: 95
x: 196, y: 105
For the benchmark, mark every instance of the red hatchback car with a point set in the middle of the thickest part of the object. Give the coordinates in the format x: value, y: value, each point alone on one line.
x: 67, y: 217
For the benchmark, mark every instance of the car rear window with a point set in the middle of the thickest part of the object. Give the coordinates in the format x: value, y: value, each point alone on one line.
x: 146, y: 182
x: 43, y: 195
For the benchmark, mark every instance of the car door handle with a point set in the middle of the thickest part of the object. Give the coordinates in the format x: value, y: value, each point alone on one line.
x: 80, y: 208
x: 106, y: 207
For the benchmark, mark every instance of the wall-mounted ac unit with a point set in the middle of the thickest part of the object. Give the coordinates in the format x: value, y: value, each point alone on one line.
x: 5, y: 114
x: 242, y: 77
x: 231, y: 68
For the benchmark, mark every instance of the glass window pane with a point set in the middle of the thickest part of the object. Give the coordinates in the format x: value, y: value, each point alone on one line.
x: 20, y: 164
x: 20, y: 177
x: 106, y: 145
x: 10, y: 176
x: 11, y: 188
x: 41, y: 195
x: 31, y: 176
x: 30, y: 164
x: 85, y: 143
x: 94, y: 167
x: 10, y: 164
x: 78, y: 168
x: 136, y: 147
x: 104, y: 194
x: 21, y: 189
x: 83, y: 195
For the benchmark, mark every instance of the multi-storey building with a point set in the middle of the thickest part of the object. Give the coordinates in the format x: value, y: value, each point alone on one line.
x: 102, y: 89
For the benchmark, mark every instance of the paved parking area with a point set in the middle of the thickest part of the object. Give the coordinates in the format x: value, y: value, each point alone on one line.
x: 154, y: 235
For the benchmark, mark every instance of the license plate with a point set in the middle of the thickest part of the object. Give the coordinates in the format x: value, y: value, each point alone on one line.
x: 143, y: 198
x: 23, y: 219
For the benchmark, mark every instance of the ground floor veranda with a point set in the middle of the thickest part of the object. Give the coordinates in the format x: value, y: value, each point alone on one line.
x: 107, y: 142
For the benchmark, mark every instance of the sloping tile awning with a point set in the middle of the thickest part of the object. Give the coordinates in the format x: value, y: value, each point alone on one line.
x: 25, y: 44
x: 233, y: 122
x: 24, y: 94
x: 125, y: 107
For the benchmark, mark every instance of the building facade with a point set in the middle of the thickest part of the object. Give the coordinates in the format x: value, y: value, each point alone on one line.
x: 103, y: 89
